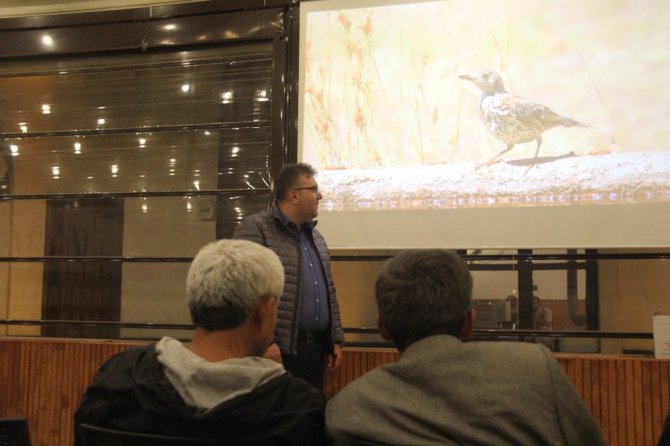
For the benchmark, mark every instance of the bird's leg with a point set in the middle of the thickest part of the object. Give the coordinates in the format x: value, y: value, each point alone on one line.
x: 494, y: 159
x: 537, y: 150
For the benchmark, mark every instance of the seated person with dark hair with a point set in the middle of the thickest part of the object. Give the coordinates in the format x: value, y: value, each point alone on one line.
x: 218, y: 385
x: 542, y: 316
x: 443, y: 391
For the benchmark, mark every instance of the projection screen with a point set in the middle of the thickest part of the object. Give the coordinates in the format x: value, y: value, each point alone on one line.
x: 488, y: 123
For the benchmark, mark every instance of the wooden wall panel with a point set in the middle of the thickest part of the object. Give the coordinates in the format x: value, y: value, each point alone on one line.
x: 627, y: 396
x: 354, y: 364
x: 43, y: 380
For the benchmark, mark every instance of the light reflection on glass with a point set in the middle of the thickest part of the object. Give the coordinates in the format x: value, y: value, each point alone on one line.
x: 77, y: 148
x: 14, y: 149
x: 47, y: 40
x: 24, y: 127
x: 55, y: 170
x: 185, y: 88
x: 227, y: 97
x: 101, y: 121
x: 262, y: 96
x: 46, y: 109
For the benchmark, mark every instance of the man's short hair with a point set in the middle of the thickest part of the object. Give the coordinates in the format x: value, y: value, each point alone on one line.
x: 422, y: 293
x: 226, y: 279
x: 289, y: 177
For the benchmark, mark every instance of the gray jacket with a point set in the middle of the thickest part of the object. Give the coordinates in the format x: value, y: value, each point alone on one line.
x: 267, y: 229
x: 446, y: 392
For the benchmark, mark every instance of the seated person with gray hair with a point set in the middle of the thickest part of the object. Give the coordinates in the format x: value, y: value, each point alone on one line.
x: 217, y: 385
x: 444, y: 391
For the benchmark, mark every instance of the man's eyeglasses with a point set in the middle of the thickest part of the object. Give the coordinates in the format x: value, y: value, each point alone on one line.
x: 314, y: 189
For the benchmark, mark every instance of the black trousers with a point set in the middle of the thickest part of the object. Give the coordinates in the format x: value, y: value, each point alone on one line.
x: 310, y: 362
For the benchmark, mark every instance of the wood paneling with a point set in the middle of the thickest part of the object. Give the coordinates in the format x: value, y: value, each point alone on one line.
x: 628, y: 396
x: 560, y: 314
x: 43, y: 380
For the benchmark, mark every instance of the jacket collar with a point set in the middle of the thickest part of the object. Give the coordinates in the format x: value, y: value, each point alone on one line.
x: 283, y: 219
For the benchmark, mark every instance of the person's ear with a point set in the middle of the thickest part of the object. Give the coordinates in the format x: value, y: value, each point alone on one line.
x: 382, y: 329
x: 292, y: 196
x: 257, y: 313
x: 469, y: 324
x: 263, y: 309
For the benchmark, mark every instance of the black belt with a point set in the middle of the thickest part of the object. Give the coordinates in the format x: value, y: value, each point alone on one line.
x: 310, y: 337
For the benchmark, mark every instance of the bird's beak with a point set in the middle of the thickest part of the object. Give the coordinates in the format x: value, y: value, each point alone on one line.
x: 467, y: 77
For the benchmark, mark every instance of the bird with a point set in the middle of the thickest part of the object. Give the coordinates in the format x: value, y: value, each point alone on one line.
x: 513, y: 119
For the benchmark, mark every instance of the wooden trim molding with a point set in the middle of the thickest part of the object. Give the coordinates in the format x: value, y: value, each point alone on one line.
x: 43, y: 379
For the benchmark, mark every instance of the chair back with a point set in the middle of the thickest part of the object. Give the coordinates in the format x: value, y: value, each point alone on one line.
x: 101, y: 436
x: 14, y: 432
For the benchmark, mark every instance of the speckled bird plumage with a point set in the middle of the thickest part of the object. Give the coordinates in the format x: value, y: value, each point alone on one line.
x: 512, y: 119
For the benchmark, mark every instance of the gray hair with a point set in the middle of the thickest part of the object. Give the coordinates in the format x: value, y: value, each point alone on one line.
x: 226, y: 279
x: 422, y: 293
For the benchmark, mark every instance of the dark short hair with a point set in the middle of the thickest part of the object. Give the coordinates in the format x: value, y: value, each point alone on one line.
x: 289, y: 177
x: 422, y: 293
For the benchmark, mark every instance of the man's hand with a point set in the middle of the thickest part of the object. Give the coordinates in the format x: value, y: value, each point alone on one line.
x: 333, y: 361
x: 273, y: 353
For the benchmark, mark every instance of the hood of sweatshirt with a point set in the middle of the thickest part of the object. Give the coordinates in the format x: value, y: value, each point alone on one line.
x: 205, y: 385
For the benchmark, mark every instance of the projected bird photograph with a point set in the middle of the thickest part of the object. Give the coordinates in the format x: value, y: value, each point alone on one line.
x: 487, y: 104
x: 512, y: 119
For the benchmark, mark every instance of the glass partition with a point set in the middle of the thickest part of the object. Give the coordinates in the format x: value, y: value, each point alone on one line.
x: 115, y: 170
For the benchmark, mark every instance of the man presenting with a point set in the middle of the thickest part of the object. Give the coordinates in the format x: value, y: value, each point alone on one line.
x: 308, y: 335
